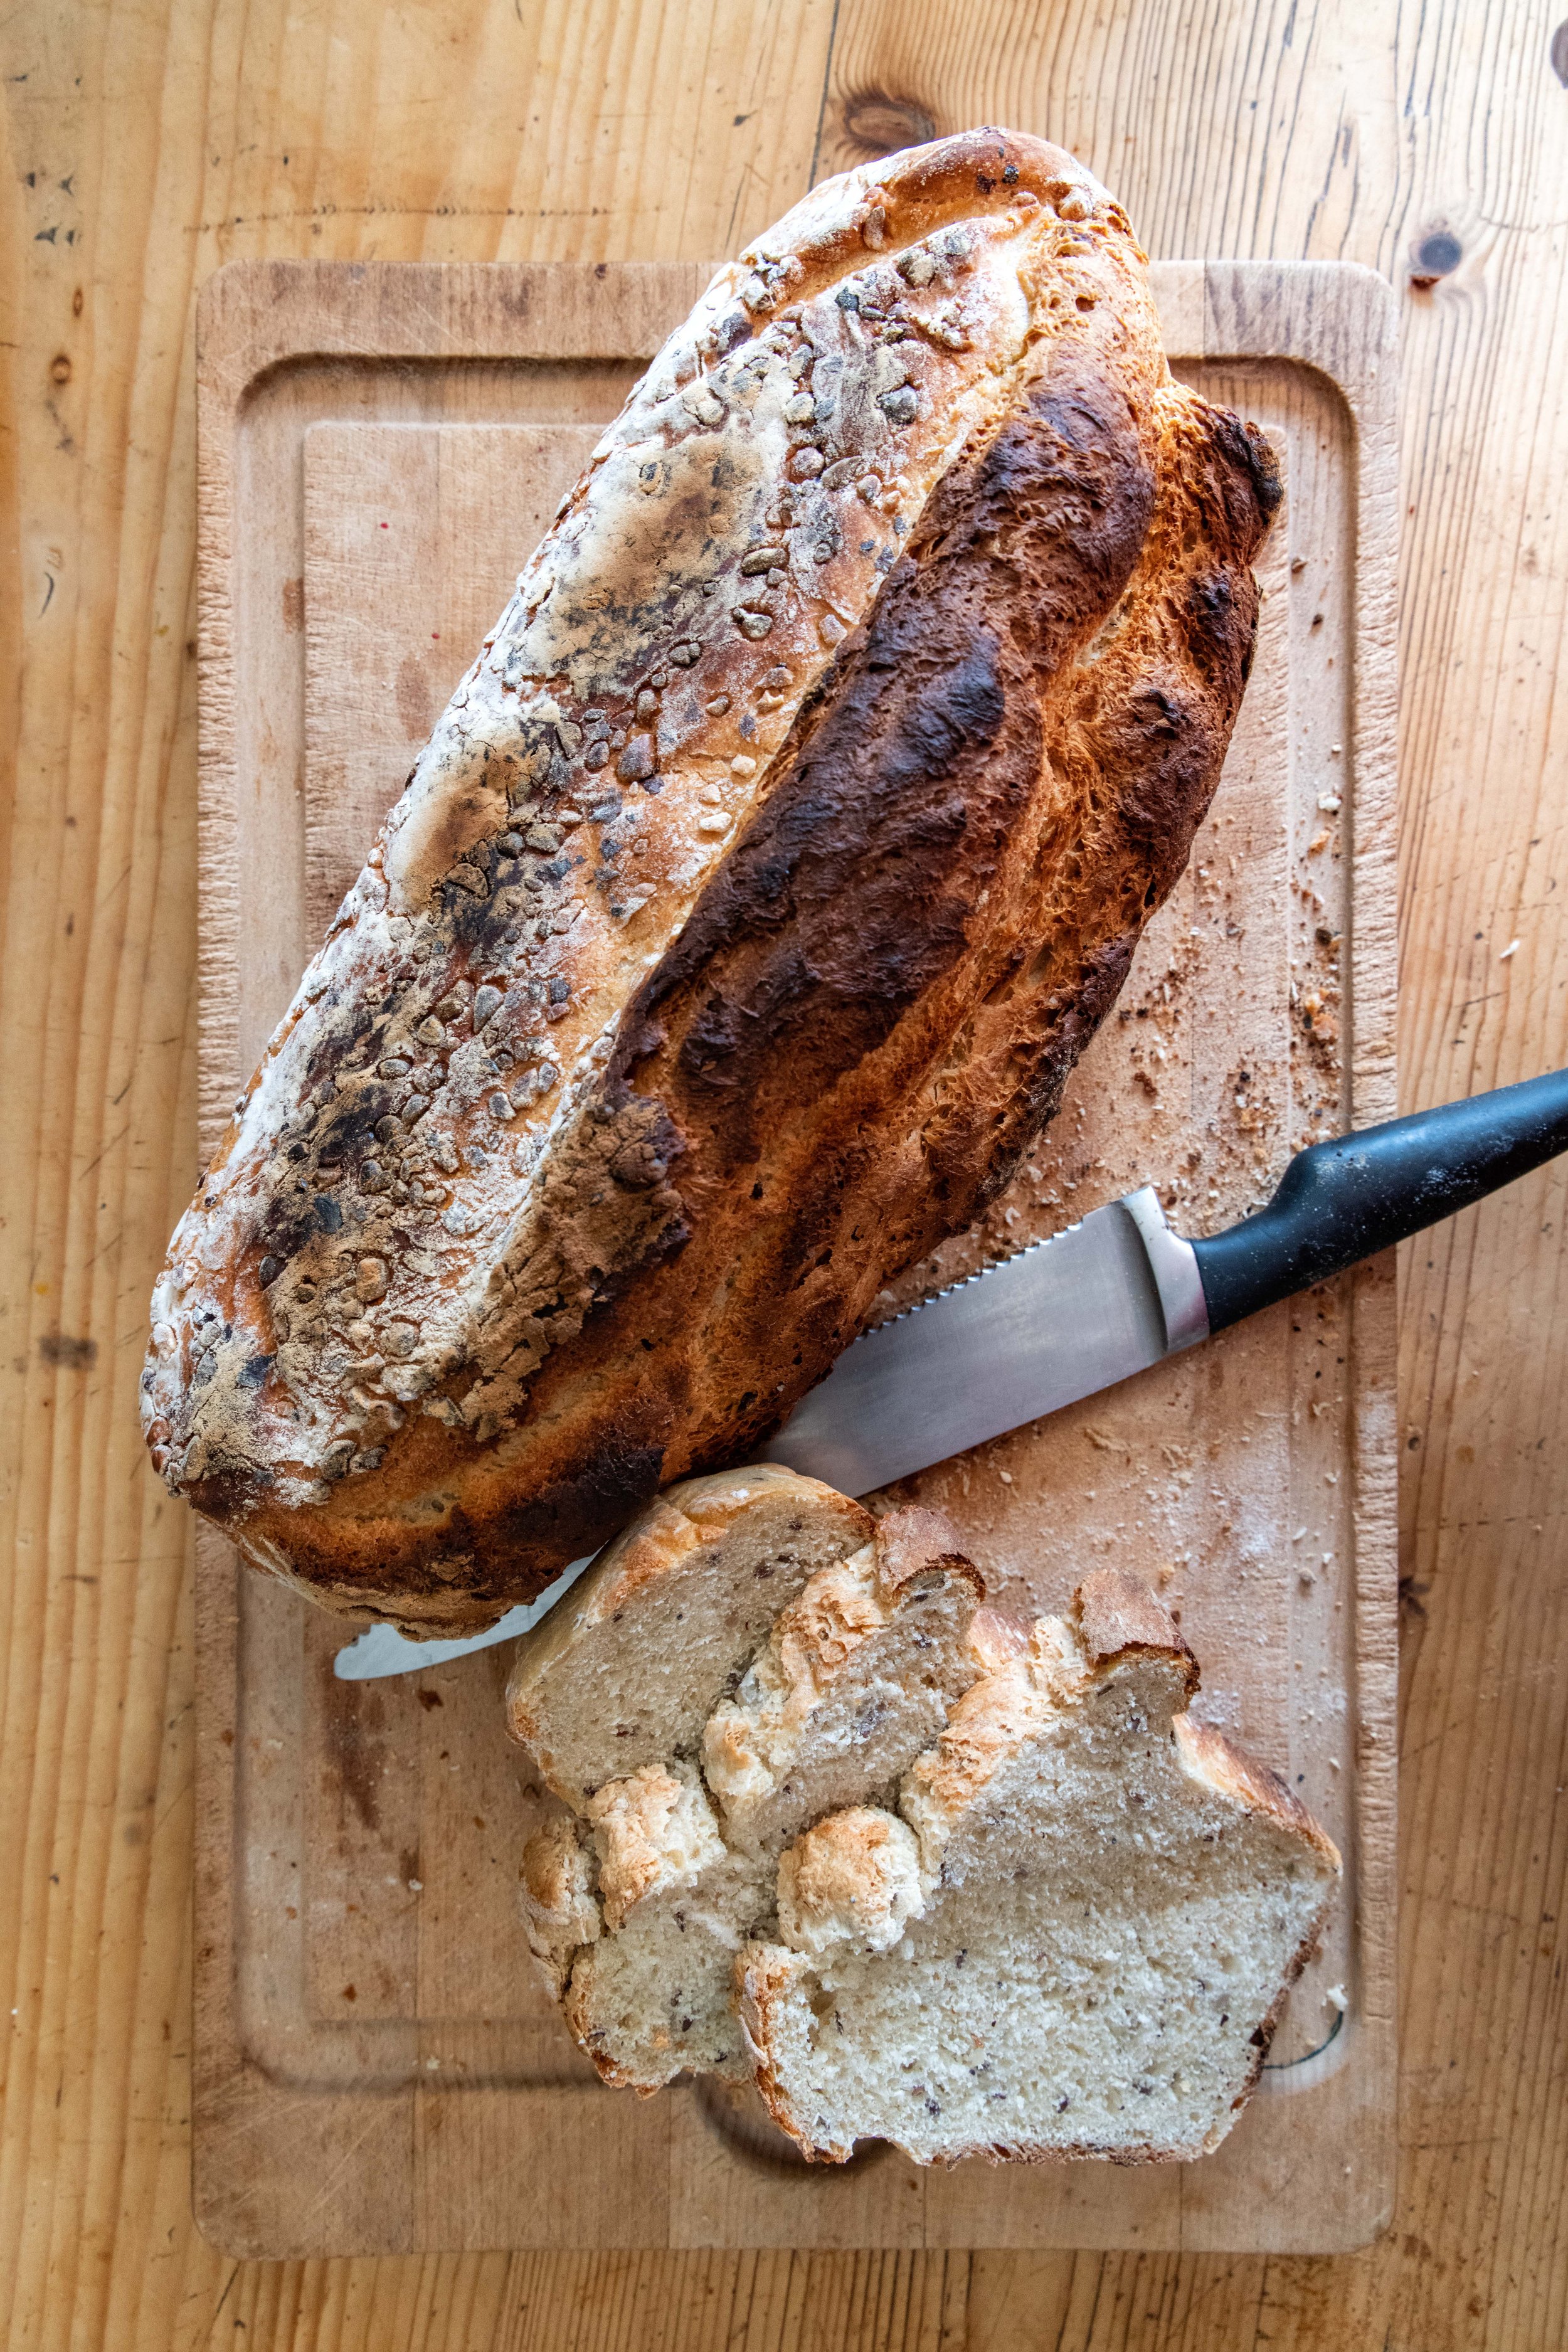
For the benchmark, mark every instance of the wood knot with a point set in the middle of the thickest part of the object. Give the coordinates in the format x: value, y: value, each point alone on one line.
x: 874, y: 122
x: 1433, y: 255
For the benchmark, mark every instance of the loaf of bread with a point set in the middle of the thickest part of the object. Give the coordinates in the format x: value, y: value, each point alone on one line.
x: 741, y: 920
x: 924, y: 1875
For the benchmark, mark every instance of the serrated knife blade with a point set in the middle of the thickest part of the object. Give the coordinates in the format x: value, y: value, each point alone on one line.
x: 1103, y: 1300
x: 1095, y: 1304
x: 1107, y: 1298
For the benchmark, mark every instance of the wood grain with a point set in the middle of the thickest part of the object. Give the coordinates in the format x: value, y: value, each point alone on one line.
x: 145, y: 147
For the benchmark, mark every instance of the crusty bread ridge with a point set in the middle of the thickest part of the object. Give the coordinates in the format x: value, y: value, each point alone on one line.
x: 1111, y: 1904
x: 748, y: 908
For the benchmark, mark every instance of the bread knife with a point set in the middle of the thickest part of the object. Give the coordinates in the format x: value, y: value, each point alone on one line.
x: 1099, y: 1302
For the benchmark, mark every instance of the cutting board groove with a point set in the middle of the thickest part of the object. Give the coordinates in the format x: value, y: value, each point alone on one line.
x: 380, y: 448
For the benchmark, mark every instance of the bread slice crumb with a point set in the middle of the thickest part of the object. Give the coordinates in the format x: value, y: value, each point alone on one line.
x: 1113, y: 1903
x: 627, y: 1669
x: 637, y: 1901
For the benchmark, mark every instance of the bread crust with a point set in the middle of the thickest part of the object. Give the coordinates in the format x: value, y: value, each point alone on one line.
x: 415, y: 1346
x: 914, y: 1541
x: 560, y: 1906
x: 1117, y: 1615
x: 853, y: 1877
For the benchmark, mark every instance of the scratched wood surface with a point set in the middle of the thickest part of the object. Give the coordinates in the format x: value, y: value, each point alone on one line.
x: 362, y: 1984
x: 144, y: 148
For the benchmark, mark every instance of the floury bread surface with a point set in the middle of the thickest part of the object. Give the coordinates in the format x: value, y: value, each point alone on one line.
x: 743, y: 919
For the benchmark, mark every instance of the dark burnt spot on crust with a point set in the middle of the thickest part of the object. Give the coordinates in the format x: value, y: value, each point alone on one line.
x: 476, y: 1552
x: 1233, y: 476
x: 1160, y: 740
x: 572, y: 1514
x: 1248, y: 453
x: 568, y: 1516
x: 785, y: 958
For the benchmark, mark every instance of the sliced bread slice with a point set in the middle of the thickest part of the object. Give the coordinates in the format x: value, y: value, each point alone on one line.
x: 652, y: 1995
x: 855, y: 1679
x: 1113, y: 1902
x: 638, y: 1904
x: 627, y: 1668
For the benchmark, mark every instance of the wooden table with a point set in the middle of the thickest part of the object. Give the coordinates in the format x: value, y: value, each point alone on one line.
x: 147, y: 146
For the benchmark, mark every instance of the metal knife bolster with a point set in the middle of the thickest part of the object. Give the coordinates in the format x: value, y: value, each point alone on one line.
x: 1105, y: 1300
x: 1174, y: 1263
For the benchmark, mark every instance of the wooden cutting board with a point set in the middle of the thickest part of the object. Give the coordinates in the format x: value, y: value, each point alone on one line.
x: 376, y: 2069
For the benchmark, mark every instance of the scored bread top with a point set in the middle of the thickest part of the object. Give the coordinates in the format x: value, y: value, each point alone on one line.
x: 741, y: 919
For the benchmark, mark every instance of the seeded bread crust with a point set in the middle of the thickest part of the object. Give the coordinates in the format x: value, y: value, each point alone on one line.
x: 743, y: 919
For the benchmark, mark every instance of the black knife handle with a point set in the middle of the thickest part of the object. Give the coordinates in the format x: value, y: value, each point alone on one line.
x: 1343, y: 1201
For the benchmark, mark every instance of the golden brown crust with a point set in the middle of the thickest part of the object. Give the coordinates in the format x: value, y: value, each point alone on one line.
x: 996, y: 1639
x: 762, y: 1972
x: 913, y: 1541
x: 654, y: 1829
x: 852, y: 1879
x: 1117, y: 1615
x: 1209, y: 1756
x: 987, y: 1727
x: 416, y: 1365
